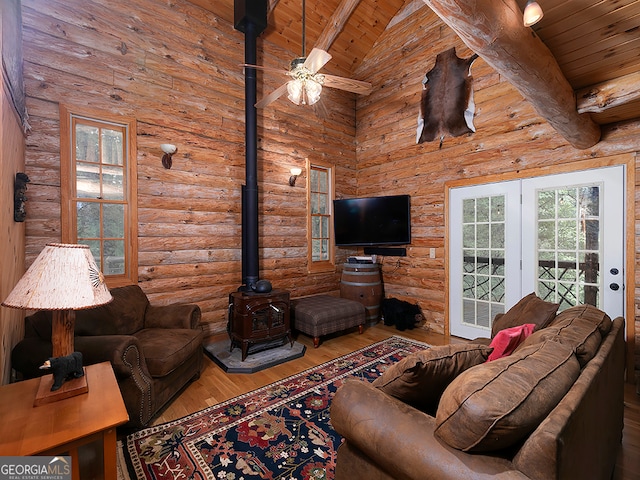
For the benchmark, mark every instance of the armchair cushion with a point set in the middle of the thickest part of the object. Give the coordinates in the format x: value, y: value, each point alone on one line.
x: 165, y: 349
x: 420, y: 378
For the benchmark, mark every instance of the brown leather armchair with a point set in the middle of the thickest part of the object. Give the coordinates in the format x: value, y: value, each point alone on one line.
x: 154, y: 350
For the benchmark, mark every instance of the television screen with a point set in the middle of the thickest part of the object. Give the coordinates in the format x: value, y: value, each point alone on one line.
x: 372, y: 221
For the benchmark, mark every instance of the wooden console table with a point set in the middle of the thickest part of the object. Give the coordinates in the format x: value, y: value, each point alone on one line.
x: 258, y: 317
x: 62, y: 426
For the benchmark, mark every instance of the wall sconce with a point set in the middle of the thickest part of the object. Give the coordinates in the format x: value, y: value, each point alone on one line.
x: 295, y: 171
x: 532, y: 13
x: 168, y: 150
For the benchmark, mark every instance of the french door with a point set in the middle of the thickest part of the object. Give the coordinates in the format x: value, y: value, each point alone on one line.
x: 561, y: 236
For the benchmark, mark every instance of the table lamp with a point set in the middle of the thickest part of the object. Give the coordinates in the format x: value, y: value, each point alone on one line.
x: 63, y: 278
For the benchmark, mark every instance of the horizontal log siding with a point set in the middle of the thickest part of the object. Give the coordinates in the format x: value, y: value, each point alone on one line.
x: 510, y: 139
x: 175, y: 67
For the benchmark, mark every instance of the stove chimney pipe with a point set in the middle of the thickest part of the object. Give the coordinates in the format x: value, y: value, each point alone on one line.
x: 251, y: 19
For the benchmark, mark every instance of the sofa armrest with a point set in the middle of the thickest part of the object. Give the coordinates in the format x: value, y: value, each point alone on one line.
x: 172, y: 316
x: 400, y: 439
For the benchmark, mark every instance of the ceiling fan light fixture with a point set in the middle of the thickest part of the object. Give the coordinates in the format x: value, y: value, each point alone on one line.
x: 532, y: 13
x: 294, y: 89
x: 313, y: 90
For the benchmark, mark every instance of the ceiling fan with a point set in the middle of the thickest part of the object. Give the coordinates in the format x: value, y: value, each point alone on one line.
x: 306, y: 83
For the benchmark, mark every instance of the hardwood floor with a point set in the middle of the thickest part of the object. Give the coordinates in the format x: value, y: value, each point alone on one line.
x: 215, y: 386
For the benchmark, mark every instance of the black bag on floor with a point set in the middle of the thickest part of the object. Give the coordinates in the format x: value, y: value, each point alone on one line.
x: 403, y: 315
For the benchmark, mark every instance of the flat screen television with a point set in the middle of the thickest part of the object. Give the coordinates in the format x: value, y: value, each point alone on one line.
x: 372, y: 221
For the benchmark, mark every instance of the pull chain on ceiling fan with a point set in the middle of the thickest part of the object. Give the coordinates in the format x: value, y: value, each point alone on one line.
x: 305, y: 86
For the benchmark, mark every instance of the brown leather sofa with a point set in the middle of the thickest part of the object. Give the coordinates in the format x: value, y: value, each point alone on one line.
x: 154, y: 350
x: 507, y: 419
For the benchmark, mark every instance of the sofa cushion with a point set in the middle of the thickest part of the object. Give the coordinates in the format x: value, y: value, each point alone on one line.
x: 582, y: 335
x: 506, y: 341
x: 530, y: 309
x: 124, y: 315
x: 420, y: 378
x: 165, y: 349
x: 495, y: 405
x: 586, y: 312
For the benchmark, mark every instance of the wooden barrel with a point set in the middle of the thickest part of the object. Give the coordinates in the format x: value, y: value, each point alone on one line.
x: 362, y: 282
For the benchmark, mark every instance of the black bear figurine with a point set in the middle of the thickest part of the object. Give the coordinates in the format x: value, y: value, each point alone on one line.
x: 66, y: 368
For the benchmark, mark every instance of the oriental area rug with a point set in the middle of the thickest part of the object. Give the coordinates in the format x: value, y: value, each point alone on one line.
x: 280, y: 431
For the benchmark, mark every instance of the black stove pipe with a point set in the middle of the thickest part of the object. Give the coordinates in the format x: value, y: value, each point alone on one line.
x: 250, y: 18
x: 250, y: 227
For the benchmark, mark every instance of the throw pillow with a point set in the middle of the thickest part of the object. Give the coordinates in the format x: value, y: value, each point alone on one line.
x: 506, y: 341
x: 497, y: 404
x: 420, y: 378
x: 530, y: 309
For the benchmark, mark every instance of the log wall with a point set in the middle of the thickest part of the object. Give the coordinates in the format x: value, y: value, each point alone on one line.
x: 510, y: 140
x: 12, y: 148
x: 176, y: 68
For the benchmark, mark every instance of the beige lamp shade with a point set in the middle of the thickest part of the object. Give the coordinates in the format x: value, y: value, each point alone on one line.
x: 63, y: 277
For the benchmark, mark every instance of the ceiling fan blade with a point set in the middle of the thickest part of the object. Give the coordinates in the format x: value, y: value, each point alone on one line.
x: 316, y: 60
x: 265, y: 69
x: 272, y: 97
x: 348, y: 84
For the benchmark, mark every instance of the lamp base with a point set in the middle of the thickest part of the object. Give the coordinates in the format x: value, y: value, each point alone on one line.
x: 70, y: 388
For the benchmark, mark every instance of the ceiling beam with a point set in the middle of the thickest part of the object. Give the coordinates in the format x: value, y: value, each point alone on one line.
x: 612, y: 93
x: 493, y: 29
x: 336, y: 23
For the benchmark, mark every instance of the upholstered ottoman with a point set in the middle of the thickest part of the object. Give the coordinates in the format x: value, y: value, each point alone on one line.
x: 319, y: 315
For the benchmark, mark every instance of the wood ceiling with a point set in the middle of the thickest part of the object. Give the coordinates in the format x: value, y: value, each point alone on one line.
x: 596, y: 43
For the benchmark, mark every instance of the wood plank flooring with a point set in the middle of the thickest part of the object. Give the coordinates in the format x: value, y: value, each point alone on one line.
x: 215, y: 386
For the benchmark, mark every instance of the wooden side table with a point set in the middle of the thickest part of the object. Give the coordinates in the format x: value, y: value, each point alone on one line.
x: 63, y: 426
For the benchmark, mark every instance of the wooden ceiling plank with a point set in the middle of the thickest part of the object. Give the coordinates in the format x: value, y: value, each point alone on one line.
x: 596, y: 17
x: 569, y: 47
x: 522, y: 58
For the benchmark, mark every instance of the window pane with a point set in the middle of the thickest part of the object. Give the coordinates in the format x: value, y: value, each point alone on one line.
x: 322, y: 204
x: 322, y: 181
x: 113, y: 221
x: 87, y: 143
x: 112, y: 147
x: 87, y: 180
x: 88, y: 220
x: 113, y: 183
x: 325, y: 227
x: 324, y: 250
x: 113, y: 257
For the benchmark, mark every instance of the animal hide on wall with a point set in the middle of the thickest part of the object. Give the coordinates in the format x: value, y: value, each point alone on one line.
x: 447, y: 104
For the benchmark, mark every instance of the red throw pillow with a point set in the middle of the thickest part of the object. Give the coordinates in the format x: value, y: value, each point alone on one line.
x: 506, y: 341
